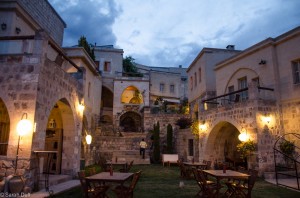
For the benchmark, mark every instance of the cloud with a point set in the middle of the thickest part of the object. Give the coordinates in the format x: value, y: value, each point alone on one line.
x: 160, y: 33
x: 93, y: 19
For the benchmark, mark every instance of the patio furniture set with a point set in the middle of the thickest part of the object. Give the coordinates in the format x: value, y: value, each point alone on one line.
x: 237, y: 184
x: 96, y: 185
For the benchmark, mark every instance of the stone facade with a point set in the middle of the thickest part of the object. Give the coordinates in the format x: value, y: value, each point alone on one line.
x: 264, y: 72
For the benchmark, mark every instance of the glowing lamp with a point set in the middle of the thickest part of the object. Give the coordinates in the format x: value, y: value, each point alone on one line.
x: 202, y: 127
x: 243, y: 137
x: 81, y: 107
x: 88, y: 139
x: 24, y: 126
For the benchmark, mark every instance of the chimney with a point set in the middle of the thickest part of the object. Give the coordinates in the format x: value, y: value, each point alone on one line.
x: 230, y: 47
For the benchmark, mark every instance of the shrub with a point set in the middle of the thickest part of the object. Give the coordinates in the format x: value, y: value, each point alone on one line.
x: 184, y: 123
x: 245, y: 148
x: 287, y: 147
x: 169, y: 139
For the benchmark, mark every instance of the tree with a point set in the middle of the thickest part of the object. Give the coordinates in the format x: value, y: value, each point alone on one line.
x: 156, y: 143
x: 169, y: 139
x: 129, y: 67
x: 82, y: 42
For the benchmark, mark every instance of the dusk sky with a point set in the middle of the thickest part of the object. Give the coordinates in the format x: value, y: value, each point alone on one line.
x: 169, y: 33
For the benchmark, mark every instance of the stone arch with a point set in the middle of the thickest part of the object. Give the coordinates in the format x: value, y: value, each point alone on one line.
x: 107, y: 97
x: 221, y: 142
x: 131, y: 122
x: 60, y: 136
x: 4, y: 128
x: 238, y: 74
x: 132, y: 95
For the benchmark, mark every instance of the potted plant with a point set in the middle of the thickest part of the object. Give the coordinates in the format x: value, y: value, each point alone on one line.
x: 184, y: 123
x: 246, y: 148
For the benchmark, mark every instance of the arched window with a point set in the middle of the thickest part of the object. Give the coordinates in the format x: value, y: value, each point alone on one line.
x: 132, y: 95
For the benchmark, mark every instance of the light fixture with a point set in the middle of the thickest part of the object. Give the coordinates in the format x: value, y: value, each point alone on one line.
x: 88, y: 139
x: 243, y: 137
x: 3, y: 26
x: 267, y: 118
x: 18, y: 30
x: 202, y: 126
x: 81, y: 107
x: 262, y: 62
x: 24, y: 126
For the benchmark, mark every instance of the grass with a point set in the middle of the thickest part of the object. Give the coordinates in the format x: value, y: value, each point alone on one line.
x: 158, y: 181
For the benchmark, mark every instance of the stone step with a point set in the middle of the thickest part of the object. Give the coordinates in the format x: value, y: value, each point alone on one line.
x: 53, y: 180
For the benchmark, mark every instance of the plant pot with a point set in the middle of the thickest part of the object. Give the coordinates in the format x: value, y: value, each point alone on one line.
x: 16, y: 184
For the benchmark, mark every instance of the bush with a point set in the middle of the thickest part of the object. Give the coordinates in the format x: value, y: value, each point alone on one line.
x: 245, y: 148
x: 287, y: 147
x: 184, y: 123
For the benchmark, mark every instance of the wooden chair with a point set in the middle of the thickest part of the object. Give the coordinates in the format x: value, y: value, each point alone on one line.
x: 90, y: 190
x: 127, y: 192
x: 208, y: 188
x: 184, y: 172
x: 208, y: 165
x: 199, y: 181
x: 242, y: 188
x: 127, y: 169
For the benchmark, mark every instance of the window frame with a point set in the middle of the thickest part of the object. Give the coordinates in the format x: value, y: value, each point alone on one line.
x: 296, y: 72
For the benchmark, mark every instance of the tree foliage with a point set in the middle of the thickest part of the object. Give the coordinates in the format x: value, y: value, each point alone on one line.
x: 156, y: 143
x: 129, y: 67
x: 246, y: 148
x: 169, y: 139
x: 82, y: 42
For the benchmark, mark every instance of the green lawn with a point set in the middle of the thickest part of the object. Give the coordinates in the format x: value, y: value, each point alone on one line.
x: 159, y: 181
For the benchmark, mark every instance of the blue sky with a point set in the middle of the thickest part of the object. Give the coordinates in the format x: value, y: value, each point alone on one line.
x: 169, y: 33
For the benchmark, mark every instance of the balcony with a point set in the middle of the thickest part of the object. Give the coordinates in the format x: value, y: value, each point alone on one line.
x: 242, y: 96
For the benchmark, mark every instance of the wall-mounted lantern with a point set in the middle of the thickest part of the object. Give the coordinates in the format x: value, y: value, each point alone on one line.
x: 202, y: 126
x: 24, y: 127
x: 18, y: 30
x: 88, y: 139
x: 243, y: 137
x: 81, y: 107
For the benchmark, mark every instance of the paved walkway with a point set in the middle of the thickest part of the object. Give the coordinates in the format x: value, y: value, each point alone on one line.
x: 287, y: 182
x: 56, y: 189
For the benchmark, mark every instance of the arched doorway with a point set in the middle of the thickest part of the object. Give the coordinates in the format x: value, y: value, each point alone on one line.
x: 222, y: 142
x: 131, y: 122
x: 4, y: 128
x: 59, y: 137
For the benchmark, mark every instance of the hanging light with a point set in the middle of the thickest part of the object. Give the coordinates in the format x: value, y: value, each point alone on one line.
x: 88, y: 139
x: 24, y: 126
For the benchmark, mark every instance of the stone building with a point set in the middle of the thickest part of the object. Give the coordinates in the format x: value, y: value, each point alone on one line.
x: 254, y: 92
x: 48, y: 86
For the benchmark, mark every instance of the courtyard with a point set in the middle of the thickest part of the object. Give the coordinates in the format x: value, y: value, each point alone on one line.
x: 159, y: 181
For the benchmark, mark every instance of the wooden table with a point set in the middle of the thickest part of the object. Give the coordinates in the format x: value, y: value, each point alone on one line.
x: 117, y: 177
x: 202, y: 166
x: 121, y: 163
x: 230, y: 174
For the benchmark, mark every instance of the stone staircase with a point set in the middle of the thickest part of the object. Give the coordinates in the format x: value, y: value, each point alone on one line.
x: 121, y: 146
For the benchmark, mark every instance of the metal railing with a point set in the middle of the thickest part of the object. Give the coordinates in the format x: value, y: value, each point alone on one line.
x: 287, y: 166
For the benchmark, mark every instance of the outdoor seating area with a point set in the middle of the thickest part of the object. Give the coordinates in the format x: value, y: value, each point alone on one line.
x: 96, y: 183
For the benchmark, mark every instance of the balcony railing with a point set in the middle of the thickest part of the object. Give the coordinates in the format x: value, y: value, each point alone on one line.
x: 259, y: 93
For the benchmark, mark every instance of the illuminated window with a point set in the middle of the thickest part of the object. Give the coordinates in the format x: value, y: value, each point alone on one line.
x: 296, y: 71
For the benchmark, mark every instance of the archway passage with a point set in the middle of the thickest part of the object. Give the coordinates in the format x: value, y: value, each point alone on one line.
x: 107, y: 98
x: 222, y: 144
x: 131, y: 122
x: 4, y: 128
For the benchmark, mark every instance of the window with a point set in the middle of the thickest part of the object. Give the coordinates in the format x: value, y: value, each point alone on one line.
x: 242, y: 82
x: 106, y: 66
x: 172, y: 88
x: 89, y: 89
x: 195, y: 76
x: 191, y: 147
x: 296, y: 71
x: 4, y: 128
x: 161, y: 87
x: 191, y: 83
x: 230, y: 90
x: 199, y: 75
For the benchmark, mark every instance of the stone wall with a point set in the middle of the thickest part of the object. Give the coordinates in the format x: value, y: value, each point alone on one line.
x: 46, y: 17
